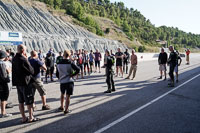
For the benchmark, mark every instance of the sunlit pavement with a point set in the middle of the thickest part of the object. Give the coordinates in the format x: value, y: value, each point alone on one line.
x: 93, y: 110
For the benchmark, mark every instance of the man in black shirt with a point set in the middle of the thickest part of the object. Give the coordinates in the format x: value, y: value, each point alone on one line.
x: 109, y: 72
x: 49, y: 62
x: 179, y: 60
x: 162, y: 61
x: 119, y: 57
x: 172, y: 61
x: 22, y: 72
x: 126, y: 61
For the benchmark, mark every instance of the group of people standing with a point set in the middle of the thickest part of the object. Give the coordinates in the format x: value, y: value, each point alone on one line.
x: 174, y: 61
x: 26, y: 73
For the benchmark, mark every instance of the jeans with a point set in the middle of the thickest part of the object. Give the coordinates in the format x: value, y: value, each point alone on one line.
x: 109, y: 79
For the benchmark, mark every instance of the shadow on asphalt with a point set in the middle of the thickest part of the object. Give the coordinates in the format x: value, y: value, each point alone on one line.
x: 111, y: 110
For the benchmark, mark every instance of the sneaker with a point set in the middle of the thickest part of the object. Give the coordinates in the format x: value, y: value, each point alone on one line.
x: 108, y: 91
x: 171, y: 84
x: 160, y: 77
x: 127, y: 78
x: 9, y: 106
x: 67, y: 112
x: 113, y: 90
x: 132, y: 78
x: 46, y: 107
x: 34, y: 108
x: 60, y: 109
x: 6, y: 115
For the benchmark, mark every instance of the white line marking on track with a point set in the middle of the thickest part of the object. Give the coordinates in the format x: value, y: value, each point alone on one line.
x: 142, y: 107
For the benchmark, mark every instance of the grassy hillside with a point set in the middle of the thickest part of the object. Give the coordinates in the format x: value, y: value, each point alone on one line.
x: 115, y: 21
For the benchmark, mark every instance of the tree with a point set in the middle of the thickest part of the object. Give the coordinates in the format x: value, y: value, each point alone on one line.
x: 75, y: 9
x: 57, y: 4
x: 126, y: 27
x: 49, y: 2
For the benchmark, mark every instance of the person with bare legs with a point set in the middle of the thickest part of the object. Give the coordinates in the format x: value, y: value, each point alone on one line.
x: 119, y: 57
x: 91, y: 61
x: 38, y: 84
x: 97, y: 59
x: 162, y: 61
x: 4, y: 80
x: 22, y: 72
x: 133, y: 65
x: 80, y: 62
x: 66, y: 70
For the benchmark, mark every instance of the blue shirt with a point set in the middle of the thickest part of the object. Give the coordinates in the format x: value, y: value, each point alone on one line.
x: 36, y: 64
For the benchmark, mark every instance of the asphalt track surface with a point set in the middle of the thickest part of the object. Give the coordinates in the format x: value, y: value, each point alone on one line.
x: 128, y: 110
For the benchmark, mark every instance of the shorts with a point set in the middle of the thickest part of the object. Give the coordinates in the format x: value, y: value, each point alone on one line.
x: 162, y: 67
x: 4, y: 93
x: 118, y: 63
x: 97, y: 63
x: 26, y: 94
x: 67, y: 88
x: 39, y: 86
x: 176, y: 69
x: 91, y: 63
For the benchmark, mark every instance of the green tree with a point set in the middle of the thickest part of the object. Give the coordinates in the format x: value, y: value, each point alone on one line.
x: 126, y: 27
x: 57, y: 4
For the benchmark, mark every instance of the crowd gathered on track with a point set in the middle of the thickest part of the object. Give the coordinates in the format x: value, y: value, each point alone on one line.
x: 25, y: 73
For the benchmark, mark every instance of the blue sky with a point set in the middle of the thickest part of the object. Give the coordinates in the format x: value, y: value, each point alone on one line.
x: 184, y: 14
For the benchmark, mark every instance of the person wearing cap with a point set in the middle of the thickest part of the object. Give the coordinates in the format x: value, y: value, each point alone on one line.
x: 4, y: 80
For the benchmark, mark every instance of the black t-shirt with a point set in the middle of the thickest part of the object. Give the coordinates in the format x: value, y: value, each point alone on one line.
x: 127, y: 56
x: 162, y: 58
x: 49, y: 61
x: 119, y: 54
x: 172, y: 58
x: 36, y: 64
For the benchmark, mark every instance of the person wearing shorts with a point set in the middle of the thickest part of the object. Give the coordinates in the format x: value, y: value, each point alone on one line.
x: 37, y: 65
x: 22, y: 72
x: 91, y: 61
x: 119, y: 57
x: 80, y: 62
x: 97, y: 59
x: 86, y: 62
x: 162, y: 61
x: 66, y: 70
x: 4, y: 80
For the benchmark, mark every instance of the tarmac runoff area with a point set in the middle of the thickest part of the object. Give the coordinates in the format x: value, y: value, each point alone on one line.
x: 142, y: 105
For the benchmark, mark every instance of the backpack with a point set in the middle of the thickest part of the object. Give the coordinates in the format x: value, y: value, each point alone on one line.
x: 80, y: 60
x: 113, y: 60
x: 110, y: 61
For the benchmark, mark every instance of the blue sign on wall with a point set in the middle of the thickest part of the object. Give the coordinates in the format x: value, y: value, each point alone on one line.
x: 11, y: 34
